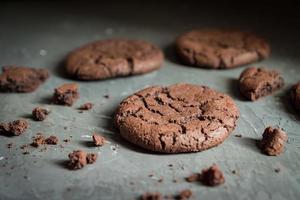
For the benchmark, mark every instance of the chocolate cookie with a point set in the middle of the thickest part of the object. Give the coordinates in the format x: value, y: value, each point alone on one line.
x: 178, y: 118
x: 295, y: 96
x: 255, y: 83
x: 22, y: 79
x: 112, y: 58
x: 220, y: 48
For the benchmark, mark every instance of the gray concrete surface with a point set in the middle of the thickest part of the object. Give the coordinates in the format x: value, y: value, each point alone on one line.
x: 41, y: 34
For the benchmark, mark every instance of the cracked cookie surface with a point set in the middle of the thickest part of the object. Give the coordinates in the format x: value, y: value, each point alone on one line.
x: 112, y: 58
x: 220, y: 48
x: 179, y: 118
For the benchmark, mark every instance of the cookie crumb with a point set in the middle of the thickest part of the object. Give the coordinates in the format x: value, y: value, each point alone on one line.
x: 39, y: 113
x: 238, y: 135
x: 106, y: 96
x: 66, y: 94
x: 78, y: 159
x: 86, y: 106
x: 98, y: 140
x: 273, y: 141
x: 151, y: 196
x: 52, y: 140
x: 66, y: 140
x: 38, y: 140
x: 9, y: 145
x: 233, y: 172
x: 212, y: 176
x: 160, y: 180
x: 277, y: 170
x: 14, y: 128
x: 192, y: 178
x: 184, y: 194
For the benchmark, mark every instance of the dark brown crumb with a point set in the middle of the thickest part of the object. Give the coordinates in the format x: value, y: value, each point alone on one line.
x: 170, y: 165
x: 9, y: 145
x: 25, y: 153
x: 175, y: 180
x: 86, y: 106
x: 106, y: 96
x: 39, y: 113
x: 273, y: 141
x: 91, y: 158
x: 184, y: 194
x: 65, y: 127
x: 234, y: 172
x: 38, y: 140
x: 14, y: 128
x: 23, y: 146
x: 52, y: 140
x: 79, y: 158
x: 277, y: 170
x: 98, y: 140
x: 66, y: 94
x: 160, y: 180
x: 66, y: 140
x: 238, y: 135
x: 151, y: 196
x: 192, y: 178
x: 212, y: 176
x: 150, y: 175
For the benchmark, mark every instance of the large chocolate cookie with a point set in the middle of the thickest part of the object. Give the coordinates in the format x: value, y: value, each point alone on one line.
x: 22, y: 79
x: 220, y: 48
x: 255, y: 83
x: 178, y: 118
x: 112, y: 58
x: 295, y: 96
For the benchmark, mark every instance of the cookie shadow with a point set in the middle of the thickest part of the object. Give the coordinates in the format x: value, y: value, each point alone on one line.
x: 62, y: 163
x: 60, y: 71
x: 85, y: 143
x: 250, y: 143
x: 27, y: 116
x: 45, y: 100
x: 234, y: 89
x: 171, y: 54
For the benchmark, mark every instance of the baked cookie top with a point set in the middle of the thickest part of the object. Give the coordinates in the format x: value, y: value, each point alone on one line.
x: 179, y: 118
x: 221, y: 48
x: 112, y: 58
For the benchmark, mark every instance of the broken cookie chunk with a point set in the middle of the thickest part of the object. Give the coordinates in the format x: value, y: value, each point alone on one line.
x: 52, y: 140
x: 273, y: 141
x: 79, y: 158
x: 14, y: 128
x: 39, y: 113
x: 86, y: 106
x: 66, y: 94
x: 98, y: 140
x: 212, y: 176
x: 184, y: 195
x: 255, y: 83
x: 151, y: 196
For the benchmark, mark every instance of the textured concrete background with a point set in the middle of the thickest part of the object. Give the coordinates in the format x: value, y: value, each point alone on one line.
x: 41, y: 34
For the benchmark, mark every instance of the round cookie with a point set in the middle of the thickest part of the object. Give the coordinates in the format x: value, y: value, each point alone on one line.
x: 178, y: 118
x: 112, y: 58
x: 295, y: 96
x: 220, y: 48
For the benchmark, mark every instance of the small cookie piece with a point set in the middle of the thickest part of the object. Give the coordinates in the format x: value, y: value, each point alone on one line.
x: 113, y: 58
x: 295, y: 96
x: 220, y: 48
x: 179, y: 118
x: 66, y: 94
x: 52, y: 140
x: 212, y: 176
x: 273, y: 141
x: 193, y: 178
x: 184, y: 194
x: 255, y: 83
x: 151, y: 196
x: 38, y: 140
x: 22, y: 79
x: 79, y: 158
x: 14, y: 128
x: 86, y: 106
x: 98, y: 140
x: 39, y: 113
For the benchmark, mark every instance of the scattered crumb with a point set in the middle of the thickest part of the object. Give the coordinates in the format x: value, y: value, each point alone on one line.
x: 98, y: 140
x: 151, y: 196
x: 106, y: 96
x: 14, y: 128
x: 150, y: 175
x: 86, y: 106
x: 39, y: 113
x: 238, y: 135
x: 212, y: 176
x: 160, y: 180
x: 184, y: 194
x: 175, y: 181
x: 38, y: 140
x: 65, y: 127
x: 25, y: 153
x: 192, y: 178
x: 66, y: 94
x: 79, y: 158
x: 9, y: 145
x: 66, y: 140
x: 234, y: 172
x: 273, y: 141
x: 170, y: 165
x: 277, y: 170
x: 52, y: 140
